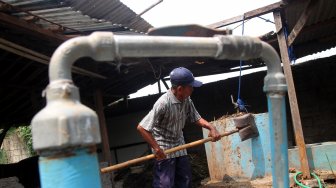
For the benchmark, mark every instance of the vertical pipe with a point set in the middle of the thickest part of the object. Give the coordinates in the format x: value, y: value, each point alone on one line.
x: 65, y: 133
x: 77, y: 169
x: 278, y: 137
x: 275, y: 88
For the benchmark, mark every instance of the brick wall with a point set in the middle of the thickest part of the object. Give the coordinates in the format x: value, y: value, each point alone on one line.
x: 15, y: 148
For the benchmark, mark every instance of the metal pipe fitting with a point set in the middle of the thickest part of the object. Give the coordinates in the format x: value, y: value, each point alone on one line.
x: 99, y: 46
x: 275, y: 80
x: 276, y: 88
x: 65, y: 123
x: 238, y: 47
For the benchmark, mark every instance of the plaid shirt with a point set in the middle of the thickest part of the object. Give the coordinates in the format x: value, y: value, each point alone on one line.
x: 167, y: 119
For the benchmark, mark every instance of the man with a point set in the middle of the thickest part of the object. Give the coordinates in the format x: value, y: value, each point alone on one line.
x: 162, y: 129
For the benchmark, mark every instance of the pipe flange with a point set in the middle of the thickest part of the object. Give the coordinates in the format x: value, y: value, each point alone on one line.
x: 64, y: 122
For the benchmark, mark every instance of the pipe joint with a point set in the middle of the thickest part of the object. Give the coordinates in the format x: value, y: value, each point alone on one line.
x: 64, y: 122
x: 275, y: 82
x: 61, y: 89
x: 99, y: 45
x: 238, y: 47
x: 103, y: 46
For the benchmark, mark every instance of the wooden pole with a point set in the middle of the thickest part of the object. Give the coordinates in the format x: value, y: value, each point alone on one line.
x: 103, y: 130
x: 171, y: 150
x: 292, y: 95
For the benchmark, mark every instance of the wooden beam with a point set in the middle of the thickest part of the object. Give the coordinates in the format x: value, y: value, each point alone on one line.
x: 301, y: 22
x: 292, y: 95
x: 30, y: 19
x: 248, y: 15
x: 103, y: 130
x: 5, y: 7
x: 30, y: 28
x: 40, y: 58
x: 17, y: 9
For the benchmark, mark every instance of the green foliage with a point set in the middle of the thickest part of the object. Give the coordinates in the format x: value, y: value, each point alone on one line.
x: 3, y: 157
x: 11, y: 131
x: 25, y: 133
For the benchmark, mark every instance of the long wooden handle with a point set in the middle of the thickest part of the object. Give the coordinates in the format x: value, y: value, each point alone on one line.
x: 171, y: 150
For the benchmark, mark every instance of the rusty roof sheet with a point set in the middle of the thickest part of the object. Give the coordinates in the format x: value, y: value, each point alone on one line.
x: 82, y: 16
x: 319, y: 29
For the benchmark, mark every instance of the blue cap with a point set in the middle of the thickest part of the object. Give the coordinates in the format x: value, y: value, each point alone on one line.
x: 182, y: 76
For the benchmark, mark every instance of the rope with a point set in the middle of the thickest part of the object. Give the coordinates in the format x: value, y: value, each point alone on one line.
x: 304, y: 186
x: 241, y: 24
x: 266, y: 20
x: 290, y: 48
x: 240, y: 102
x: 157, y: 77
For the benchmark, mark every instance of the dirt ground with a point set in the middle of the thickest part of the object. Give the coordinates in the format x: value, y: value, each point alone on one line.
x: 128, y: 179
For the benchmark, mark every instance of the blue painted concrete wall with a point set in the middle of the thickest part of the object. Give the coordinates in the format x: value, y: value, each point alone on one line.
x: 231, y: 158
x: 321, y: 156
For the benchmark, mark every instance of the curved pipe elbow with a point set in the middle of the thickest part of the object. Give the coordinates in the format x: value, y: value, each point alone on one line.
x: 275, y: 81
x: 97, y: 46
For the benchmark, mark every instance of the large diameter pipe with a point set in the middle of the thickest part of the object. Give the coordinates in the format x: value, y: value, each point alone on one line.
x: 76, y: 170
x: 276, y: 88
x: 104, y: 46
x: 278, y: 138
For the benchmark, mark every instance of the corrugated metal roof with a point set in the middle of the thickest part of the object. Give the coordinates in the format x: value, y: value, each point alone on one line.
x: 23, y: 74
x: 320, y: 23
x: 82, y: 16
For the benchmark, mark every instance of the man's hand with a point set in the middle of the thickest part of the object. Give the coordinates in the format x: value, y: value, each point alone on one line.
x: 159, y: 154
x: 212, y: 130
x: 214, y: 134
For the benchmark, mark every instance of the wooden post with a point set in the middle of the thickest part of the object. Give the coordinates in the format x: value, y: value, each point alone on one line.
x: 103, y: 130
x: 292, y: 95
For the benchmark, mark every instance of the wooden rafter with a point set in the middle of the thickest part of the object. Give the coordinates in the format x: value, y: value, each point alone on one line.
x: 31, y: 28
x: 38, y: 57
x: 301, y: 22
x: 248, y: 15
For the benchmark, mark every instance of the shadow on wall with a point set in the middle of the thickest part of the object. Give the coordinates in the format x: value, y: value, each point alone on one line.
x: 25, y: 170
